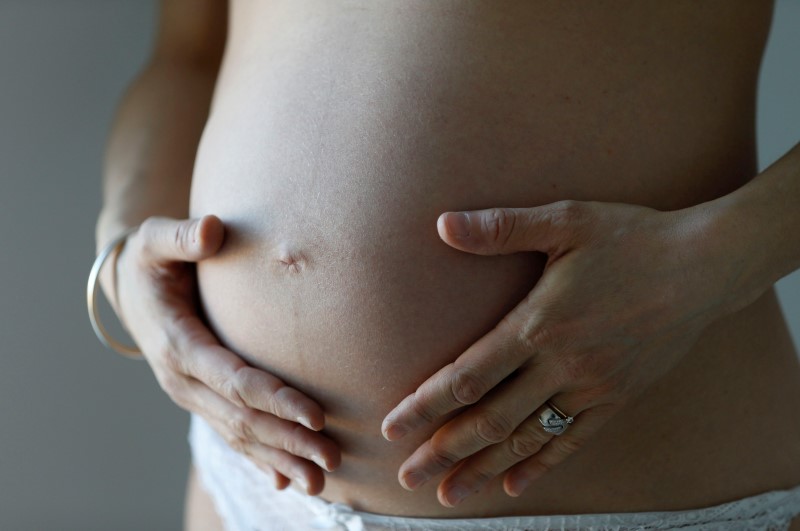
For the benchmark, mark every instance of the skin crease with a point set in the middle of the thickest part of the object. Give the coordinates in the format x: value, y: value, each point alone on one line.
x: 351, y: 171
x: 617, y: 347
x: 328, y: 290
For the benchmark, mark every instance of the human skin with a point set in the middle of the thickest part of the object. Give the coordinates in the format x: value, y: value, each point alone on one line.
x: 338, y: 136
x: 674, y: 129
x: 615, y: 349
x: 147, y: 174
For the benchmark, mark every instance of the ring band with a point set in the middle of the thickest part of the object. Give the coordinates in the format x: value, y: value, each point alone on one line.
x: 552, y: 419
x: 91, y: 296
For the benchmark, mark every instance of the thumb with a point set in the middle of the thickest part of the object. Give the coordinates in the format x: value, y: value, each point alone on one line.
x: 186, y: 240
x: 510, y: 230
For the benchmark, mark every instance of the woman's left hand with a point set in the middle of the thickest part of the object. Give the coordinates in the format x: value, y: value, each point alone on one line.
x: 625, y: 293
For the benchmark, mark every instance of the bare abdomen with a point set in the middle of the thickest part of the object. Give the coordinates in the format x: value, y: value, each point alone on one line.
x: 338, y: 136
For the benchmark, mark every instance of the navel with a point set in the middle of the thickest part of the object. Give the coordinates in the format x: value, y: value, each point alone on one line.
x: 290, y: 260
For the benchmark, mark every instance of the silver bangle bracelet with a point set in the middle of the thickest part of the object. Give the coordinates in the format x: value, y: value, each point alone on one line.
x: 113, y: 247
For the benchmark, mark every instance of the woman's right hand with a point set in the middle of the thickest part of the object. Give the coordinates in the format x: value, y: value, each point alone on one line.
x: 276, y: 426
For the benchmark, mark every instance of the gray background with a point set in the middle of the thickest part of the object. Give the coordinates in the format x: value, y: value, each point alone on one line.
x: 87, y: 439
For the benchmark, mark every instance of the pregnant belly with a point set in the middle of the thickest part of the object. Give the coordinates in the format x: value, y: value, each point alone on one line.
x: 330, y: 161
x: 341, y: 286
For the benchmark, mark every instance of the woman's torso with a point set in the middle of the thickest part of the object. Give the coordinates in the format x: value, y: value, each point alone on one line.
x: 340, y: 131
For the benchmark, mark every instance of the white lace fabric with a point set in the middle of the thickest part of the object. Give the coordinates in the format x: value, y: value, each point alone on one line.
x: 246, y: 501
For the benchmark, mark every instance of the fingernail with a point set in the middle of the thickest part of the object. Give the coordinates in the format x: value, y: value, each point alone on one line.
x: 319, y: 461
x: 395, y: 431
x: 457, y: 224
x: 415, y: 479
x: 455, y: 494
x: 518, y: 485
x: 303, y: 483
x: 305, y: 422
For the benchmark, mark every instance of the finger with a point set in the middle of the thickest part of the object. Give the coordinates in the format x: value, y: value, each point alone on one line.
x: 241, y: 426
x: 557, y: 450
x: 492, y: 231
x: 479, y: 369
x: 231, y: 377
x: 305, y: 473
x: 279, y: 481
x: 526, y: 440
x: 490, y: 422
x: 479, y: 469
x: 188, y: 240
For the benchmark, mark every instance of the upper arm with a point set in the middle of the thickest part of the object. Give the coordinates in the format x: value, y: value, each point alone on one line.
x: 192, y: 31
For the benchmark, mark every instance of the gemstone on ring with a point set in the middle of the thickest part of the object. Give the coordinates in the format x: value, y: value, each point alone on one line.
x: 552, y: 419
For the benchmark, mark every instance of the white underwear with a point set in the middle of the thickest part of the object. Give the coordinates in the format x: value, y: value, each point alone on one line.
x: 246, y: 500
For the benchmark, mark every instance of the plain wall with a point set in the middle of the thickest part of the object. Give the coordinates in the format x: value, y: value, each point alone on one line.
x: 87, y: 439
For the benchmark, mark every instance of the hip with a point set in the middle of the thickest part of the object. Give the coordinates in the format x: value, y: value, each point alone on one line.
x: 231, y: 491
x: 358, y: 348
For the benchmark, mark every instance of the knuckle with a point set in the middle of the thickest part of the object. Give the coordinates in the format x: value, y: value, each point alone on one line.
x: 171, y: 383
x: 524, y: 445
x: 482, y: 475
x: 575, y: 369
x: 178, y: 237
x: 499, y: 224
x: 443, y: 459
x: 528, y: 439
x: 466, y: 387
x: 422, y: 410
x: 571, y: 216
x: 239, y: 424
x: 238, y: 444
x: 183, y: 236
x: 567, y: 212
x: 542, y: 466
x: 535, y: 335
x: 493, y: 427
x: 441, y: 455
x: 294, y: 442
x: 282, y: 400
x: 232, y: 389
x: 231, y: 439
x: 564, y: 446
x: 171, y: 360
x: 272, y: 401
x: 591, y: 369
x: 248, y: 387
x: 243, y: 375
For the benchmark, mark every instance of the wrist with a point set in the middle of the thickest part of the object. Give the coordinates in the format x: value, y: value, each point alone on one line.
x: 107, y: 230
x: 109, y: 252
x: 109, y: 226
x: 730, y: 250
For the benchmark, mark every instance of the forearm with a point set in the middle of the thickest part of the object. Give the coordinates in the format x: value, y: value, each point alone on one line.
x: 758, y: 228
x: 152, y: 145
